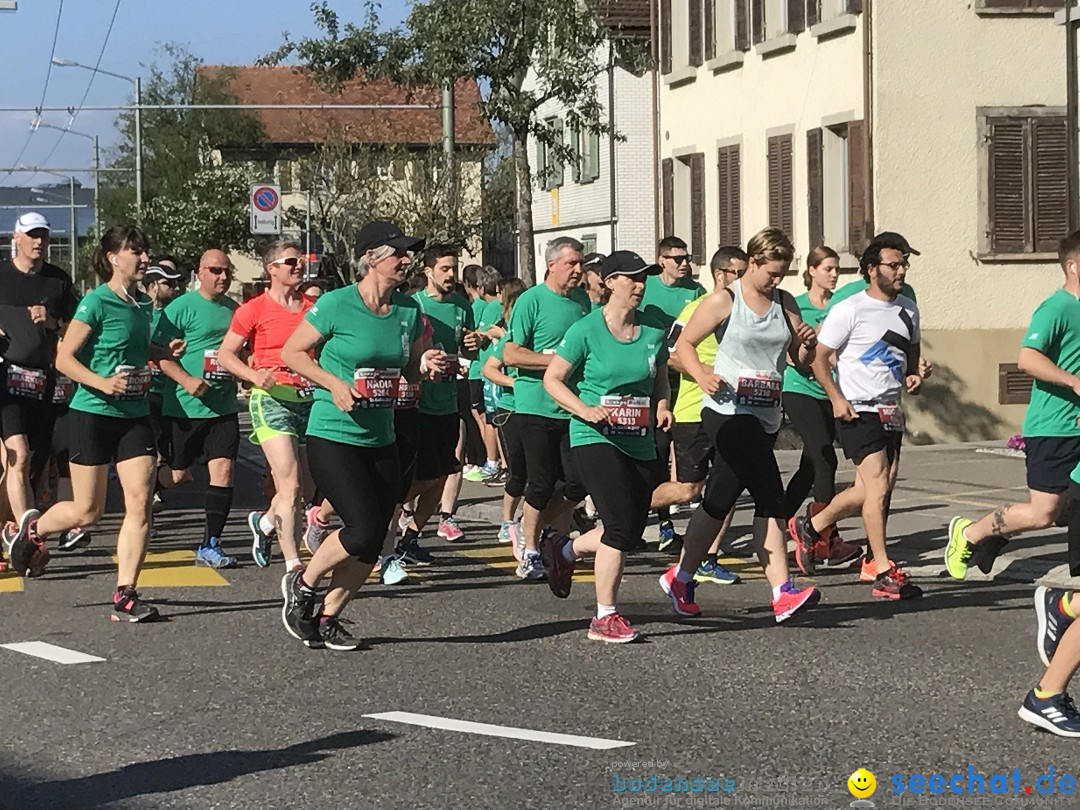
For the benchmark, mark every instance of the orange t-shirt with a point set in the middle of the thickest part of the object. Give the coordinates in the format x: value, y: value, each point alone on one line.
x: 266, y: 325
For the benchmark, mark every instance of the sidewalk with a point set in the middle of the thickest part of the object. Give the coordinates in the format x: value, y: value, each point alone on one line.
x: 937, y: 482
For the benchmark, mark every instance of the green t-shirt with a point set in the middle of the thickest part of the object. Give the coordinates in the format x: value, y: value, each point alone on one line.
x: 665, y: 303
x: 859, y: 285
x: 796, y: 381
x: 159, y: 383
x: 506, y: 395
x: 606, y: 367
x: 119, y: 336
x: 203, y: 324
x: 449, y: 321
x: 356, y: 338
x: 539, y: 322
x: 490, y: 314
x: 1054, y: 332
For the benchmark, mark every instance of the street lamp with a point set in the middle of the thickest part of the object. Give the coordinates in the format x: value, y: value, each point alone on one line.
x: 74, y: 235
x: 97, y: 172
x: 137, y: 81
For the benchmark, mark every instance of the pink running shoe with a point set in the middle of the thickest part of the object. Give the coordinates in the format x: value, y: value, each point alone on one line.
x: 792, y: 600
x: 681, y: 593
x: 613, y: 629
x: 450, y: 531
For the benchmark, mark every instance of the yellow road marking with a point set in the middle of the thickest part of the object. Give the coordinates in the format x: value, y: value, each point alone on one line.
x: 177, y: 569
x: 11, y: 582
x: 501, y: 559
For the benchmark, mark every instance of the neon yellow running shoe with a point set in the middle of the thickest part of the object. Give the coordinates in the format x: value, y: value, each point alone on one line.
x: 959, y: 550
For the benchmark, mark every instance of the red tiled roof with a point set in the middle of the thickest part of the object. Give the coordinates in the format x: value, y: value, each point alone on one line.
x: 293, y: 85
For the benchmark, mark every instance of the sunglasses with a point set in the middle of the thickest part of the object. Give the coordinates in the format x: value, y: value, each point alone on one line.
x: 217, y: 271
x: 291, y: 261
x: 894, y: 266
x: 681, y: 258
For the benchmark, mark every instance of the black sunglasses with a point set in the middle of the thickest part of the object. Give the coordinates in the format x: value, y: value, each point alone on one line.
x: 681, y: 258
x: 217, y: 271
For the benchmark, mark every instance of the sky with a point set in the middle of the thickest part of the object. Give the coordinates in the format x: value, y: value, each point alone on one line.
x: 249, y: 29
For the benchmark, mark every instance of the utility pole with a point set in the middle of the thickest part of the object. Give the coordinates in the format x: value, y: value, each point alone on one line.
x: 138, y: 147
x: 74, y: 231
x: 1072, y: 87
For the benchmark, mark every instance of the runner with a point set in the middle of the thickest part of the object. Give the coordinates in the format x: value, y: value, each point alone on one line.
x: 1051, y: 354
x: 487, y: 310
x: 280, y: 399
x: 872, y: 339
x: 590, y: 279
x: 367, y: 341
x: 105, y: 350
x: 618, y: 360
x: 200, y: 409
x: 810, y: 413
x: 541, y: 317
x: 741, y: 413
x: 161, y: 283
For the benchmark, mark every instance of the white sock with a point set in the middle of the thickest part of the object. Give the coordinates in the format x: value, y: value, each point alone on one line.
x: 603, y: 611
x: 568, y: 553
x: 492, y: 463
x: 530, y: 552
x: 293, y: 563
x: 682, y: 576
x: 776, y: 592
x: 266, y: 525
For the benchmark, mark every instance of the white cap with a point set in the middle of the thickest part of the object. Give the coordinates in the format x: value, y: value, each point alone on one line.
x: 31, y: 222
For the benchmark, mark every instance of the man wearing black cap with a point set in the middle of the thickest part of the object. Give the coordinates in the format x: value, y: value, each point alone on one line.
x: 36, y: 300
x: 590, y: 279
x: 161, y: 282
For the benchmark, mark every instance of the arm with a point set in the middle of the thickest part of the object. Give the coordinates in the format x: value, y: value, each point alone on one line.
x: 68, y: 364
x: 804, y: 337
x: 1041, y: 367
x: 824, y: 359
x: 518, y: 356
x: 711, y: 312
x: 555, y: 384
x: 914, y: 369
x: 662, y: 397
x: 229, y: 358
x: 196, y: 386
x: 295, y: 354
x: 672, y: 339
x: 492, y: 370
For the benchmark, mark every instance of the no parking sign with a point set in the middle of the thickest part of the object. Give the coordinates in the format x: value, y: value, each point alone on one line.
x: 265, y: 209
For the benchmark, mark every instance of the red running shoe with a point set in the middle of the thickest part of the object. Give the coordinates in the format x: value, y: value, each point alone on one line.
x: 613, y: 629
x: 792, y: 600
x: 559, y: 572
x: 680, y: 593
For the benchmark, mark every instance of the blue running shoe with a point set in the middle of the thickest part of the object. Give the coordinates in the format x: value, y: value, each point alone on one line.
x: 669, y: 538
x: 261, y: 548
x: 714, y: 572
x: 1056, y: 714
x: 1053, y: 621
x: 412, y: 553
x: 391, y: 571
x: 211, y: 555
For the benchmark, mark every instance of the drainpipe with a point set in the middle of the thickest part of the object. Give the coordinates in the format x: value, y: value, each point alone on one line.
x: 868, y: 116
x: 611, y: 148
x: 654, y: 47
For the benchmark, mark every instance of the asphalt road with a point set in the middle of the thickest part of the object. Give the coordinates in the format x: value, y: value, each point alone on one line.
x: 217, y: 707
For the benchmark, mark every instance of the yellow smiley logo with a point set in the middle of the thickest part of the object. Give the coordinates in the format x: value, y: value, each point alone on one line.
x: 862, y: 784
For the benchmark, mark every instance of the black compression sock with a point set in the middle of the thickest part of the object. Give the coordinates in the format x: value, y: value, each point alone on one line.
x: 218, y: 503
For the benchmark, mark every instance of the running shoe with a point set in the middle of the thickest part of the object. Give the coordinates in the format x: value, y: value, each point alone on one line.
x: 530, y: 567
x: 129, y: 607
x: 504, y: 531
x: 613, y: 629
x: 894, y: 584
x: 560, y: 573
x: 209, y: 554
x: 1052, y: 620
x: 159, y: 504
x: 792, y: 600
x: 517, y: 541
x: 669, y: 538
x: 582, y: 521
x: 1056, y: 714
x: 391, y: 571
x: 489, y: 471
x: 26, y: 549
x: 680, y: 593
x: 869, y: 572
x: 261, y: 543
x: 958, y: 552
x: 474, y: 474
x: 298, y: 611
x: 450, y: 531
x: 499, y: 479
x: 404, y: 519
x: 412, y: 553
x: 74, y: 539
x: 839, y: 552
x: 316, y: 531
x: 714, y: 572
x: 334, y: 636
x: 801, y: 530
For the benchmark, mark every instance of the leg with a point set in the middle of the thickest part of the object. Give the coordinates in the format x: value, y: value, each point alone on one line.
x: 541, y: 438
x: 282, y: 454
x: 1040, y: 512
x: 873, y: 475
x: 17, y: 453
x: 87, y: 504
x: 137, y: 480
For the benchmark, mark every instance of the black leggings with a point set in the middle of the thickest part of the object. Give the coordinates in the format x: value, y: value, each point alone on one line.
x: 621, y: 488
x: 744, y: 460
x: 362, y: 484
x: 813, y: 421
x: 548, y: 457
x: 513, y: 447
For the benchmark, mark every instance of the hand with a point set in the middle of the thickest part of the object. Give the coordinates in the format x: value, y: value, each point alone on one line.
x: 177, y: 347
x: 471, y: 341
x: 264, y: 379
x: 117, y: 385
x: 914, y: 383
x: 807, y: 335
x: 596, y: 415
x: 665, y: 419
x: 433, y: 363
x: 926, y: 368
x: 196, y: 387
x: 496, y: 333
x: 38, y: 314
x: 843, y: 411
x: 344, y: 395
x: 710, y: 383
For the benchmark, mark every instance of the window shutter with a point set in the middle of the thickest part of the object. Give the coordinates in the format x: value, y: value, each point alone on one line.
x: 796, y: 16
x: 697, y: 207
x: 578, y: 145
x: 593, y: 167
x: 695, y: 31
x: 815, y: 203
x: 854, y: 6
x: 1014, y: 386
x: 781, y: 205
x: 774, y: 182
x: 1050, y: 156
x: 757, y: 20
x: 728, y: 169
x: 557, y: 167
x: 710, y: 29
x: 541, y: 163
x: 667, y: 172
x: 742, y: 26
x: 857, y: 225
x: 813, y: 12
x: 665, y: 36
x: 1008, y: 193
x: 787, y: 199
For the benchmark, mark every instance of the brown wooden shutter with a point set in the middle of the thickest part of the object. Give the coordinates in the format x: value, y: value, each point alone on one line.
x: 710, y: 29
x: 1008, y: 193
x: 858, y: 227
x: 815, y: 185
x: 757, y: 20
x: 742, y: 26
x: 781, y: 205
x: 787, y: 200
x: 697, y: 207
x: 695, y: 31
x: 813, y: 12
x: 727, y: 174
x: 667, y: 183
x: 796, y: 16
x: 1050, y: 170
x: 854, y: 6
x: 665, y: 36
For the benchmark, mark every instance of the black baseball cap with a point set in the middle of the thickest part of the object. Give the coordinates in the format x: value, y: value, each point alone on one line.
x: 626, y: 263
x: 382, y: 232
x: 592, y: 259
x: 890, y: 239
x: 159, y: 272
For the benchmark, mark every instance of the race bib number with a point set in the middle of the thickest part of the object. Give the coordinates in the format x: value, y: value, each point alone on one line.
x: 408, y: 395
x: 138, y: 381
x: 892, y: 418
x: 211, y: 368
x: 26, y: 382
x: 63, y: 390
x: 759, y: 389
x: 377, y: 387
x: 630, y: 416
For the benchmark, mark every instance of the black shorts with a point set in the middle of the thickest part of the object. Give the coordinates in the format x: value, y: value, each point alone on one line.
x: 476, y: 395
x: 548, y: 460
x: 866, y: 435
x: 1050, y: 461
x: 621, y: 488
x: 199, y: 440
x: 436, y: 443
x: 407, y: 438
x: 162, y: 434
x: 32, y: 418
x: 693, y: 452
x: 93, y: 440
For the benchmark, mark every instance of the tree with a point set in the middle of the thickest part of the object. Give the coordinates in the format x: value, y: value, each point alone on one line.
x: 496, y: 43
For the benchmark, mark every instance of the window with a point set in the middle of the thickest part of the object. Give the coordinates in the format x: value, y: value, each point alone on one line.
x: 681, y: 33
x: 781, y: 204
x: 836, y: 187
x: 588, y: 243
x: 1019, y: 6
x: 683, y: 186
x: 729, y: 170
x: 825, y: 10
x: 771, y: 19
x: 1025, y: 180
x: 586, y: 146
x: 726, y: 27
x: 549, y: 165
